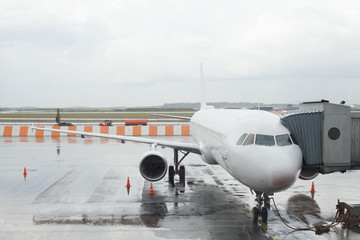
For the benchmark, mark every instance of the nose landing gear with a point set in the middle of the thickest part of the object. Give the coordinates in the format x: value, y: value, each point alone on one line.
x: 261, y: 198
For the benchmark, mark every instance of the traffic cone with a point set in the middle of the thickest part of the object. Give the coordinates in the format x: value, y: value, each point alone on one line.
x: 128, y: 183
x: 151, y: 189
x: 25, y: 173
x: 312, y: 188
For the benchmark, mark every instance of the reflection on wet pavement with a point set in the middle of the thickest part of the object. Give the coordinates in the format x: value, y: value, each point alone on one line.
x: 302, y: 207
x: 76, y: 189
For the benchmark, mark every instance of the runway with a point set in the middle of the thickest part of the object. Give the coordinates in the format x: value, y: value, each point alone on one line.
x: 75, y: 189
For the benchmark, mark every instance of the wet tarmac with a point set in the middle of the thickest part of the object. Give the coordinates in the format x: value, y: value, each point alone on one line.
x: 75, y: 189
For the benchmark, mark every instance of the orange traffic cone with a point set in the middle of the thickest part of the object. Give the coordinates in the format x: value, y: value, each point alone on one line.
x: 151, y: 189
x: 128, y: 183
x: 25, y: 173
x: 312, y: 188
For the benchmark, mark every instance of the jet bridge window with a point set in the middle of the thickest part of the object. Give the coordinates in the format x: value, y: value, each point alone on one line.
x: 241, y: 139
x: 265, y: 140
x: 249, y: 140
x: 283, y: 140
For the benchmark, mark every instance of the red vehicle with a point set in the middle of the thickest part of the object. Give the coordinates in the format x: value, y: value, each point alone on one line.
x: 106, y: 123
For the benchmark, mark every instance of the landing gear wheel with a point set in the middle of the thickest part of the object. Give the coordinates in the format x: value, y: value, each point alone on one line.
x: 179, y: 170
x: 264, y: 215
x: 267, y: 205
x: 266, y: 201
x: 182, y: 175
x: 171, y: 175
x: 256, y: 213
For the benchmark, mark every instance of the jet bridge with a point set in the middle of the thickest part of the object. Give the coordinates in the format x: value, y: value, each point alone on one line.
x: 328, y: 135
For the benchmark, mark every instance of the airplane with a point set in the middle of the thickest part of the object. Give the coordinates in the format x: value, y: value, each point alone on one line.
x: 251, y: 145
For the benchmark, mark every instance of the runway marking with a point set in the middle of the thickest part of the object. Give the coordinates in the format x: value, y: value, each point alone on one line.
x: 43, y: 195
x: 21, y: 229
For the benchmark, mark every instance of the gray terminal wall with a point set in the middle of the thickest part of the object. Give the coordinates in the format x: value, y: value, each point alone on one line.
x: 355, y: 139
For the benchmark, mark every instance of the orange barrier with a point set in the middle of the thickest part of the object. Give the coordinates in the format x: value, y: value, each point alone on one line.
x: 88, y: 129
x: 120, y: 130
x: 39, y: 133
x: 185, y: 130
x: 152, y: 130
x: 7, y: 131
x: 104, y: 129
x: 55, y: 134
x: 136, y: 130
x: 169, y: 130
x: 71, y: 128
x: 149, y: 130
x: 23, y: 131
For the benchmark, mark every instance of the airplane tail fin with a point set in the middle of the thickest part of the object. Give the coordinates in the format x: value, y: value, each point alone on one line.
x: 203, y: 102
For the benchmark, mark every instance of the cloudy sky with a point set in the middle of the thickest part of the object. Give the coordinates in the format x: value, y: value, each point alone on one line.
x: 104, y: 53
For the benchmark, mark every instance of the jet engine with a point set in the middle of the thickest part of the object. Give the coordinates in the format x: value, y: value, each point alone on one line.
x: 307, y: 174
x: 153, y: 166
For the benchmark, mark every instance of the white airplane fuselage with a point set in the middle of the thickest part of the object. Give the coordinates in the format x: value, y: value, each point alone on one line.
x: 271, y: 163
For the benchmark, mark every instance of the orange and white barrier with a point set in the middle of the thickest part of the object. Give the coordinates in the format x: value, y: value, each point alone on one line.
x: 151, y: 130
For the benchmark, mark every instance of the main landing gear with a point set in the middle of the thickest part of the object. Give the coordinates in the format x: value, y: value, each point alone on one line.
x: 176, y: 169
x: 261, y: 198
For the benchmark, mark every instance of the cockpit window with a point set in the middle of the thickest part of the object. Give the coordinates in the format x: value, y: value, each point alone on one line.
x: 266, y: 140
x: 283, y: 140
x: 249, y: 140
x: 241, y: 139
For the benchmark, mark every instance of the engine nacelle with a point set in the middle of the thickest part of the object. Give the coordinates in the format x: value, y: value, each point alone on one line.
x: 307, y: 174
x: 153, y: 166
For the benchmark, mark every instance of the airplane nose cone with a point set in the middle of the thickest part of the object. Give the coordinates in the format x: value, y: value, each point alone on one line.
x: 266, y: 169
x: 283, y: 176
x: 283, y: 170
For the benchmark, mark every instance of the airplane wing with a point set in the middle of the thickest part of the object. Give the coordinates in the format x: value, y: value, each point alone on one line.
x: 189, y: 147
x: 172, y: 116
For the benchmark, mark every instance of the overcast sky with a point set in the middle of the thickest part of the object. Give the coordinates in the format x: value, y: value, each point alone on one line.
x: 135, y: 53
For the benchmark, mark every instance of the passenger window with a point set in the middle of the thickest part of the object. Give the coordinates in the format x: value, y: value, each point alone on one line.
x: 249, y: 140
x: 241, y: 139
x: 283, y: 140
x: 265, y: 140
